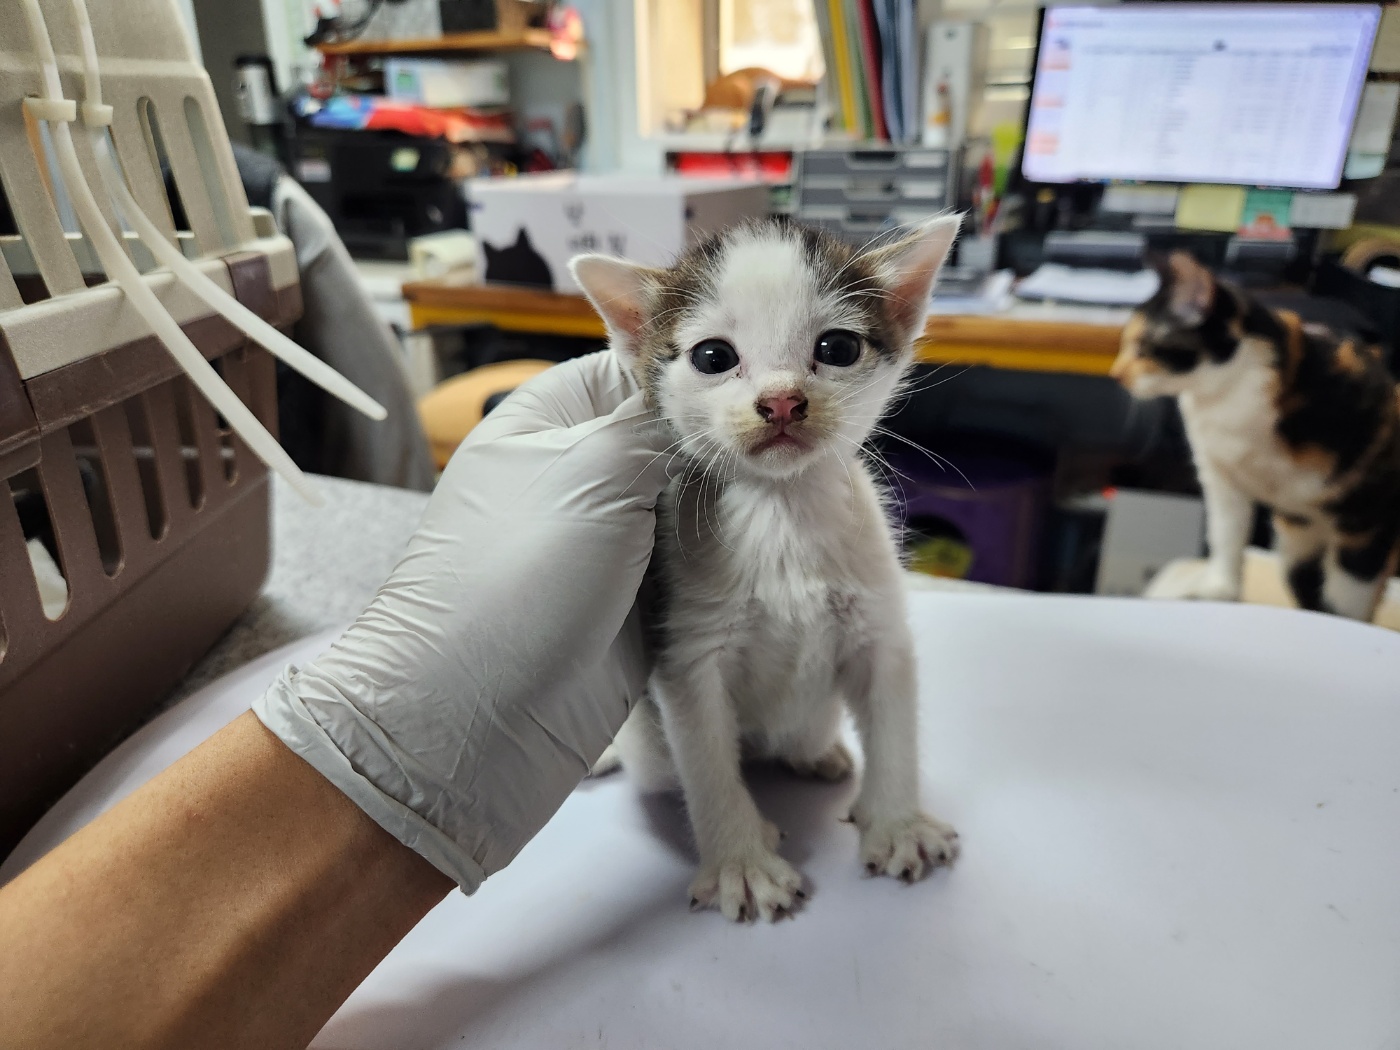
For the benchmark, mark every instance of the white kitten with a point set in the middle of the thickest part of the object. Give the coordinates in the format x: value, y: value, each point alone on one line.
x: 772, y: 351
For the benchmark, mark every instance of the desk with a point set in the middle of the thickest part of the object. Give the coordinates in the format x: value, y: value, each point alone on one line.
x: 1030, y: 338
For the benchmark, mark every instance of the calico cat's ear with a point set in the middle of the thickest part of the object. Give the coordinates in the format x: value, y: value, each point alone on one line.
x: 908, y: 267
x: 1189, y: 288
x: 620, y: 291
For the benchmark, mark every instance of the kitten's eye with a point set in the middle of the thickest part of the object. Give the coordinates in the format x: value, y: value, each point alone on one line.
x: 713, y: 357
x: 838, y: 348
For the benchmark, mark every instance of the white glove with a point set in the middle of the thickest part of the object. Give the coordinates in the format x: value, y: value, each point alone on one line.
x: 505, y: 650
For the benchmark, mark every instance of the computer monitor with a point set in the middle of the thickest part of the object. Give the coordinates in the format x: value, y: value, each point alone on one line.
x: 1258, y: 94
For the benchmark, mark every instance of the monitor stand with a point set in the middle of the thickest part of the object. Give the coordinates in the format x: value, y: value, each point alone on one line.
x: 1258, y: 263
x: 1098, y: 249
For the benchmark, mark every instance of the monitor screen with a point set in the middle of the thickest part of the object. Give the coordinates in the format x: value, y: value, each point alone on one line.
x: 1259, y: 94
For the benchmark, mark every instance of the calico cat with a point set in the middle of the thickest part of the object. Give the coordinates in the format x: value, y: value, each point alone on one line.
x: 1279, y: 413
x: 772, y: 350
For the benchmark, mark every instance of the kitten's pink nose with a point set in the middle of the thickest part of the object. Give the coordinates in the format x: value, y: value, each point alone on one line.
x: 786, y: 407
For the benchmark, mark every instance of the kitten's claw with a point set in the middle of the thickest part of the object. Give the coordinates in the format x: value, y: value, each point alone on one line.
x: 906, y: 848
x: 751, y: 885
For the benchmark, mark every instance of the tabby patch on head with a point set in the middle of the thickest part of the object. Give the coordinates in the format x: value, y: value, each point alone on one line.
x: 771, y: 344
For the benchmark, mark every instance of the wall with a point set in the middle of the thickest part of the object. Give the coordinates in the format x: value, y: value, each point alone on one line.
x: 542, y: 86
x: 609, y: 72
x: 187, y: 13
x: 227, y: 29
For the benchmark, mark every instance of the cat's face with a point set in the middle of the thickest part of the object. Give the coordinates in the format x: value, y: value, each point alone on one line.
x: 1175, y: 340
x: 771, y: 345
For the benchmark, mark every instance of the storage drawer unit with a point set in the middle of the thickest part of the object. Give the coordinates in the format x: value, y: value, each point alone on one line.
x: 857, y: 194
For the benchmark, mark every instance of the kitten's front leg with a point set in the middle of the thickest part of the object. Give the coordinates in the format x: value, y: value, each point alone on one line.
x: 740, y: 873
x: 896, y: 837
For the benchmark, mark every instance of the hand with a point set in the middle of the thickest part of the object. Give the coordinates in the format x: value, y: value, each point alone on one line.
x: 506, y: 648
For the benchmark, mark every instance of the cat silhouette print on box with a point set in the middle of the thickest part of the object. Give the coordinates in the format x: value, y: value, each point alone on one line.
x: 517, y: 264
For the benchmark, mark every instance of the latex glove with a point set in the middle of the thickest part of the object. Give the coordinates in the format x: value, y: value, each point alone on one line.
x: 503, y: 653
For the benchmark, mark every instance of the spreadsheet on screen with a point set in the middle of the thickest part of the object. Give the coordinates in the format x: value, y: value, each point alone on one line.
x: 1258, y: 94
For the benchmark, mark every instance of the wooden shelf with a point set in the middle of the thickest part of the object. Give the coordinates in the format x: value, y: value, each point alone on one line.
x: 524, y: 40
x: 1020, y: 344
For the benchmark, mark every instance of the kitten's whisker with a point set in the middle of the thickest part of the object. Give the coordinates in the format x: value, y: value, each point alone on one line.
x: 920, y: 384
x: 673, y: 445
x: 684, y: 483
x: 882, y: 463
x: 716, y: 469
x: 850, y: 483
x: 668, y: 449
x: 940, y: 460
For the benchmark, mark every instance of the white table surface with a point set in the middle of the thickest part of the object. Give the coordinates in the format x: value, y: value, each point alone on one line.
x: 1181, y: 828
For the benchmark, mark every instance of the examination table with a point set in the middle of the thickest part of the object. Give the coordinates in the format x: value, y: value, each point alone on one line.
x: 1181, y: 828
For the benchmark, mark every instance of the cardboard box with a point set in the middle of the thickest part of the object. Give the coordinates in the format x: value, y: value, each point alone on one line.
x: 529, y: 227
x: 448, y: 84
x: 1145, y: 531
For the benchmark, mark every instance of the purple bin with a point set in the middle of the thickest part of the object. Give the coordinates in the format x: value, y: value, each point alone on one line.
x: 998, y: 508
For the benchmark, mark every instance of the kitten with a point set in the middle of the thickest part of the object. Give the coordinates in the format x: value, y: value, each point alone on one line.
x: 1279, y: 413
x: 772, y: 350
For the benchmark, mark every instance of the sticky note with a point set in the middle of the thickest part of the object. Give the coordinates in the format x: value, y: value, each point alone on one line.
x: 1323, y: 211
x: 1375, y: 118
x: 1363, y: 165
x: 1266, y: 215
x: 1140, y: 200
x: 1385, y: 56
x: 1215, y: 208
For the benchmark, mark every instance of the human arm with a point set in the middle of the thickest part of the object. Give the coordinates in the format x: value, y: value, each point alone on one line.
x: 233, y: 901
x: 458, y: 712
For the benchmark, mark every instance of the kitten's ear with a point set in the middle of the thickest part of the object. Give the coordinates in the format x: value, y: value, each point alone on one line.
x: 620, y: 291
x: 908, y: 267
x: 1190, y: 288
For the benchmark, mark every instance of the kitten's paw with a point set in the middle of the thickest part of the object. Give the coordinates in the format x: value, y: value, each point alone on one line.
x: 1193, y: 578
x: 834, y: 764
x: 907, y: 847
x: 748, y: 885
